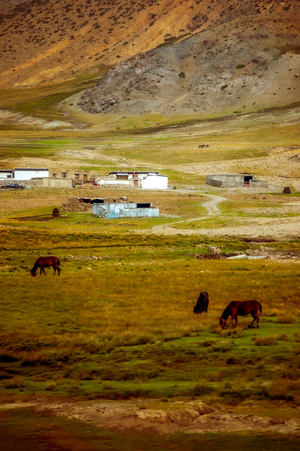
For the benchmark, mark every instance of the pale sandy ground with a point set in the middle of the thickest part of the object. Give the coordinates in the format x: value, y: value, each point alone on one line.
x: 146, y: 415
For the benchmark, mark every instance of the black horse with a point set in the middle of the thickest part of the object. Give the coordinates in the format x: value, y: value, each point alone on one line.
x: 242, y: 308
x: 202, y: 303
x: 46, y: 262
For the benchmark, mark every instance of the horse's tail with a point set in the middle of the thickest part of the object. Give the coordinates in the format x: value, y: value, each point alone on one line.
x: 58, y: 262
x: 260, y: 307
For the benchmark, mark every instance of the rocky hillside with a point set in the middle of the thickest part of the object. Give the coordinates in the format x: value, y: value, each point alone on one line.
x: 46, y: 41
x: 239, y: 66
x: 9, y: 3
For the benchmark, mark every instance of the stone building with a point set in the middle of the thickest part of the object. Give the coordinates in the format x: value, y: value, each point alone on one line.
x: 238, y: 180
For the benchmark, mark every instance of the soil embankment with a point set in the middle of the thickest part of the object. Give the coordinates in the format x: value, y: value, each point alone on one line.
x: 146, y: 415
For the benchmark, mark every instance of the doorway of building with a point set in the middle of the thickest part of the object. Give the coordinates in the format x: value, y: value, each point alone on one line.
x: 247, y: 179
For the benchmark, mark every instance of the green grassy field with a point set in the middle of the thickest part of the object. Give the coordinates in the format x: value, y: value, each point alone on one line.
x: 118, y: 322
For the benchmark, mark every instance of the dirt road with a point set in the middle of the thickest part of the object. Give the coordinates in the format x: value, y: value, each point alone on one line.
x: 279, y: 228
x: 211, y: 207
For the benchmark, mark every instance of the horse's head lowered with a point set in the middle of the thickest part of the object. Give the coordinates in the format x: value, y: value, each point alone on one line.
x: 222, y: 323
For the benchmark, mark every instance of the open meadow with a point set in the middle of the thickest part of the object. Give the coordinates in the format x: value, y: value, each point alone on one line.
x: 118, y: 324
x: 119, y: 320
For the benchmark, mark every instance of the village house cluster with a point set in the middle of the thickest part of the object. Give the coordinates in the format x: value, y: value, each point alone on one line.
x: 43, y: 177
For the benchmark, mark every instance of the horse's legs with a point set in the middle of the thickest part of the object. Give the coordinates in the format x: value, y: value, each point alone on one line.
x: 58, y: 270
x: 43, y: 269
x: 234, y: 318
x: 255, y: 318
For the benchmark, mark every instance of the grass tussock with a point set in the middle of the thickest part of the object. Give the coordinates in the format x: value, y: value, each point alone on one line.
x: 286, y: 319
x: 266, y: 341
x: 15, y: 382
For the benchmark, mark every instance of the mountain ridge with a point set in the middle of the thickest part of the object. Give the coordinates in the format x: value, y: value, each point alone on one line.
x: 228, y: 69
x: 52, y: 41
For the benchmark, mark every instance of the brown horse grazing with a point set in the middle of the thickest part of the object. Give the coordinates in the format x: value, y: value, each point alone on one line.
x: 202, y: 303
x: 46, y: 262
x: 242, y: 308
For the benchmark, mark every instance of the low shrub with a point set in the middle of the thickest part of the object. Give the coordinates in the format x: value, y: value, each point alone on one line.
x: 286, y: 319
x: 15, y: 382
x: 234, y: 333
x: 234, y: 396
x: 297, y: 336
x: 232, y: 361
x: 207, y: 342
x: 7, y: 357
x: 216, y: 376
x: 51, y: 386
x: 280, y: 388
x: 222, y: 347
x: 40, y: 378
x: 250, y: 375
x: 283, y: 337
x: 30, y: 360
x: 200, y: 390
x: 266, y: 341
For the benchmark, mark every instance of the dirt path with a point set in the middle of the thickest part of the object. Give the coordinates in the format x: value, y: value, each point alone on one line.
x: 148, y: 414
x: 280, y: 228
x: 211, y: 207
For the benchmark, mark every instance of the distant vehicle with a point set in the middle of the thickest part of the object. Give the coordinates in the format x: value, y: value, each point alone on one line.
x: 12, y: 186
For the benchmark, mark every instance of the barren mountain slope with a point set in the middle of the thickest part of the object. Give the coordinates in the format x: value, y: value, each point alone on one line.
x: 54, y: 40
x: 246, y: 64
x: 10, y: 3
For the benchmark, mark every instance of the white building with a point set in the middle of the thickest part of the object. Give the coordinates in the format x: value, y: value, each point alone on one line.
x: 155, y: 181
x: 131, y: 179
x: 30, y: 173
x: 6, y: 174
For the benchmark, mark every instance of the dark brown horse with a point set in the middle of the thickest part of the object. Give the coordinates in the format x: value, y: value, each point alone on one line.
x: 202, y: 303
x: 46, y: 262
x: 242, y: 308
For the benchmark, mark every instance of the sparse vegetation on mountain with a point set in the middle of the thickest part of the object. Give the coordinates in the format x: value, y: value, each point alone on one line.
x: 34, y: 33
